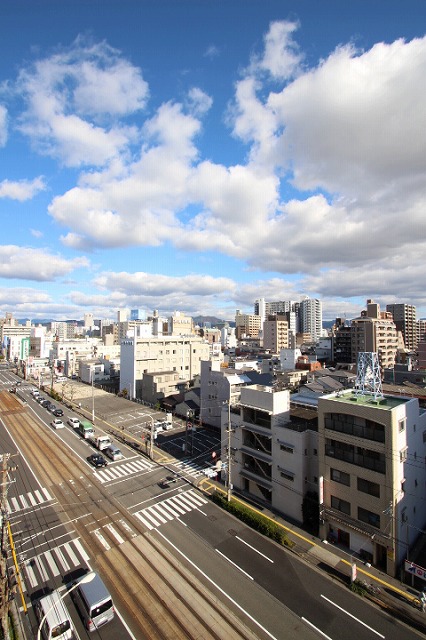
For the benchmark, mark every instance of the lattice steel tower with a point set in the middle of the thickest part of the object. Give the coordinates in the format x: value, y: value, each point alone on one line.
x: 368, y: 379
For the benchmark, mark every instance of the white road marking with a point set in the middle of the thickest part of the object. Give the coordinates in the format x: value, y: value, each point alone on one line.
x: 233, y: 563
x: 256, y: 550
x: 316, y: 628
x: 115, y: 533
x: 353, y: 617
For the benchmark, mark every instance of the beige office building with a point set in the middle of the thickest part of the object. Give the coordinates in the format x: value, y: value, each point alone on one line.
x: 375, y: 331
x: 372, y: 475
x: 275, y: 333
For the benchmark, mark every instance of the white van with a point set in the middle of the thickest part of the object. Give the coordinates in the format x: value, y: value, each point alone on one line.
x: 57, y: 623
x: 94, y: 603
x: 113, y: 452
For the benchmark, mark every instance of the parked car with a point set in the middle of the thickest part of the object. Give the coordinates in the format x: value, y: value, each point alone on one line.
x: 45, y: 403
x: 12, y: 390
x: 73, y: 422
x: 97, y: 460
x: 51, y: 407
x: 35, y: 393
x: 58, y: 412
x: 57, y: 424
x: 40, y: 399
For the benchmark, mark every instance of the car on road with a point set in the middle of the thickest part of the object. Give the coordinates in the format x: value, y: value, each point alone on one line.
x: 45, y: 403
x: 35, y: 393
x: 58, y: 412
x: 51, y: 407
x: 97, y: 460
x: 73, y: 422
x: 57, y: 423
x: 18, y: 383
x: 40, y: 399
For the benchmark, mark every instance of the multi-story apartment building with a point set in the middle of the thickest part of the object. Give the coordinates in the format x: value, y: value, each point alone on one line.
x: 15, y: 338
x: 180, y: 325
x: 421, y: 330
x: 404, y: 317
x: 275, y: 333
x: 310, y: 313
x: 375, y: 331
x: 247, y: 324
x: 273, y: 460
x: 140, y: 355
x: 341, y: 349
x: 372, y: 474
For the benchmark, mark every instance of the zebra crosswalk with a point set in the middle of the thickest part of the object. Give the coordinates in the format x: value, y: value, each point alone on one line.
x: 28, y: 500
x: 186, y: 465
x: 170, y: 509
x: 128, y: 468
x: 52, y: 563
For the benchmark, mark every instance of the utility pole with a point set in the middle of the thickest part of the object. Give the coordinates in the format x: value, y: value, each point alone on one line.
x: 4, y: 578
x: 93, y: 397
x: 228, y: 494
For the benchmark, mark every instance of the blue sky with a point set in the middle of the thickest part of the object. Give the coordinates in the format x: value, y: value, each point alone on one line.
x: 196, y: 155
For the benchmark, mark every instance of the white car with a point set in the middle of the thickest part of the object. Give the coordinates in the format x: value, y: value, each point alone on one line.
x: 73, y: 422
x: 57, y: 424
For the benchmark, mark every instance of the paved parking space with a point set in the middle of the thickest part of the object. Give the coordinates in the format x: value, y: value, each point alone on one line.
x: 134, y: 419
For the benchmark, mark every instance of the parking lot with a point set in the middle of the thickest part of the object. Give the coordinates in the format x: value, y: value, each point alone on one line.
x: 201, y: 444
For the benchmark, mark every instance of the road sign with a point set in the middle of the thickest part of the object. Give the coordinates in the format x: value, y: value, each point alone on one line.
x: 415, y: 570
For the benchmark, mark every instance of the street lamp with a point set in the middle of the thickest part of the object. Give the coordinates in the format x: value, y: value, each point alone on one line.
x: 84, y: 580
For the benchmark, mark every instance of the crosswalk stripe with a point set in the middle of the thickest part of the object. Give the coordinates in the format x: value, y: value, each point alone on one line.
x: 52, y: 564
x: 154, y: 511
x: 196, y: 497
x: 71, y: 553
x: 169, y: 507
x: 46, y: 493
x: 81, y: 550
x: 61, y: 558
x: 150, y: 517
x: 145, y: 522
x: 30, y: 574
x: 32, y: 499
x: 24, y: 503
x: 39, y: 496
x: 161, y: 508
x: 15, y: 503
x: 192, y: 504
x: 41, y: 569
x: 179, y: 507
x: 115, y: 533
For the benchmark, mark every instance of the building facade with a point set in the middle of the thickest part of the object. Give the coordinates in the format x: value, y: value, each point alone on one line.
x: 375, y: 331
x: 273, y: 460
x: 372, y: 474
x: 182, y: 354
x: 404, y: 317
x: 311, y: 318
x: 275, y: 333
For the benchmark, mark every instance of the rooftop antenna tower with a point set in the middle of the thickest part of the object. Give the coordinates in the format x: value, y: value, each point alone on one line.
x: 368, y: 379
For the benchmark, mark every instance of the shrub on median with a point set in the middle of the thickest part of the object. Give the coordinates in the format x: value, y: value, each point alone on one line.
x: 255, y: 520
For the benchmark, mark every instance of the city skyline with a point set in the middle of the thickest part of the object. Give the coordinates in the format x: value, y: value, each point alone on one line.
x: 199, y: 156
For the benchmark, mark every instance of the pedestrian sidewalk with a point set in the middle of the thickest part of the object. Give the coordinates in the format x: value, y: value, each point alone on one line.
x: 393, y: 597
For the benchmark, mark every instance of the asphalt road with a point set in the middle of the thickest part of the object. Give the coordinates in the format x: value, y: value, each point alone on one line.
x: 146, y: 528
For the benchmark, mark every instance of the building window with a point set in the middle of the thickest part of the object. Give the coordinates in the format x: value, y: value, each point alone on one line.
x: 341, y: 505
x: 315, y: 452
x: 287, y: 447
x: 403, y: 454
x: 369, y: 517
x: 372, y: 488
x: 340, y: 476
x: 401, y: 425
x: 287, y: 475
